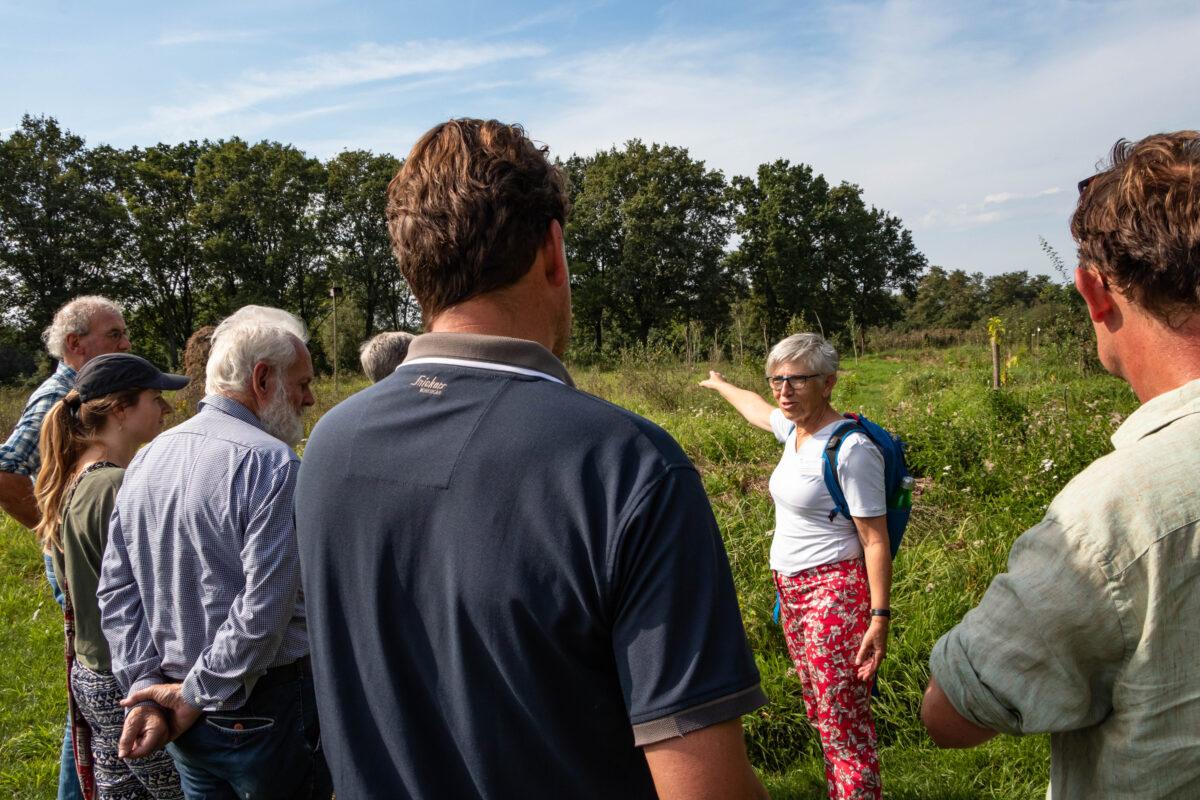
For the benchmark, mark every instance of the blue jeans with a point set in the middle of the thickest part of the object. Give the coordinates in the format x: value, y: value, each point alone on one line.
x: 68, y: 780
x: 268, y: 748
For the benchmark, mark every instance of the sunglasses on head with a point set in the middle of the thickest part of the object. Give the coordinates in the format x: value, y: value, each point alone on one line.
x: 1083, y: 184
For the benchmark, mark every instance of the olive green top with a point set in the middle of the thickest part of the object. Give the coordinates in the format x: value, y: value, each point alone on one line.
x: 84, y: 534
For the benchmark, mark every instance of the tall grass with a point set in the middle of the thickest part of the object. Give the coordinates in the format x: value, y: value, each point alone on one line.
x: 987, y: 463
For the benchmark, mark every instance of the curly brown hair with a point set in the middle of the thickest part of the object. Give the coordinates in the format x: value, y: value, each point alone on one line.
x: 469, y: 209
x: 1138, y: 224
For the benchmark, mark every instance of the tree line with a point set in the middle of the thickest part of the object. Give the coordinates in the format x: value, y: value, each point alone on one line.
x: 662, y: 249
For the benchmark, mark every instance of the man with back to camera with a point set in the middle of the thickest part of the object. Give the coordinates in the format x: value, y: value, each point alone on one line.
x: 82, y: 329
x: 1093, y: 634
x: 200, y: 584
x: 514, y: 589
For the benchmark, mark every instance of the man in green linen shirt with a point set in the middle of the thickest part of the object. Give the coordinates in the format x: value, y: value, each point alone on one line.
x: 1093, y: 634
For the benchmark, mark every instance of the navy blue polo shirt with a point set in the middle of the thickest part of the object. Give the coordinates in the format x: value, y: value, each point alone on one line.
x: 511, y: 585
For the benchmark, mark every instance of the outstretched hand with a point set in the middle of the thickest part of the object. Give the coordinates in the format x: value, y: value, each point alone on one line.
x: 148, y: 728
x: 713, y: 380
x: 873, y: 649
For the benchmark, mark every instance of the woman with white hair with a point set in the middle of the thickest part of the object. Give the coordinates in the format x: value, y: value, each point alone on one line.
x: 833, y: 574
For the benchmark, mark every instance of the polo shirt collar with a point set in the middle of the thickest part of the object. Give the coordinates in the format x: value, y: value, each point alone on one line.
x: 1158, y: 413
x: 227, y: 405
x: 489, y: 350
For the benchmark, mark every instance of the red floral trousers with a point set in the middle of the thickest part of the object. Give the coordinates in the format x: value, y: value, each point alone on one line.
x: 825, y: 612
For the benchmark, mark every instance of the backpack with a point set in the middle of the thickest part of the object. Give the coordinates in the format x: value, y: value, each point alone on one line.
x: 897, y: 483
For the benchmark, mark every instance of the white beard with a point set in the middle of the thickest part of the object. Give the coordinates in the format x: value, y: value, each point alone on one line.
x: 279, y: 420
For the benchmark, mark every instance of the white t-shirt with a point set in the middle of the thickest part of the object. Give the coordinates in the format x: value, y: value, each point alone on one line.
x: 804, y: 535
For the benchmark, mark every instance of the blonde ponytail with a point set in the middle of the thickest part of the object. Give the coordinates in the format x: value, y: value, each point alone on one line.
x: 67, y: 430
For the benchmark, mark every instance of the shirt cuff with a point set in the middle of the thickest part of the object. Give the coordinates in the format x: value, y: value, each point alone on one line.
x: 153, y: 679
x: 198, y: 696
x: 16, y: 468
x: 951, y: 667
x: 701, y: 716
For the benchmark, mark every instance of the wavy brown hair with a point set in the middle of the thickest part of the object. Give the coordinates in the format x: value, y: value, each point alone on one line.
x: 1138, y: 224
x: 469, y: 209
x: 67, y: 430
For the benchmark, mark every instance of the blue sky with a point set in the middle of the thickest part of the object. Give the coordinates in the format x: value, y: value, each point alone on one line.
x: 972, y: 122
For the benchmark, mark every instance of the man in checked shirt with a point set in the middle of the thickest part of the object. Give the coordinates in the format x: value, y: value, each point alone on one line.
x: 200, y: 585
x: 82, y: 329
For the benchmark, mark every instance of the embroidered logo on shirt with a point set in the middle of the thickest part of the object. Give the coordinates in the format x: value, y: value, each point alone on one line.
x: 427, y: 385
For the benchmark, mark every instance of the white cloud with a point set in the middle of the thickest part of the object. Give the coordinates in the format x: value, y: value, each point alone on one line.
x: 1004, y: 197
x: 368, y: 63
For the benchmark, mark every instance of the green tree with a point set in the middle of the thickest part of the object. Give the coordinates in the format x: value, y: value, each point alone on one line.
x: 257, y: 209
x: 173, y: 281
x: 354, y: 231
x: 809, y: 249
x: 778, y: 217
x: 61, y: 223
x: 868, y: 259
x: 947, y: 300
x: 645, y: 241
x: 1012, y: 291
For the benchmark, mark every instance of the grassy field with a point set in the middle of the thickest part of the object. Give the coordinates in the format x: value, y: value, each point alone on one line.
x: 987, y: 464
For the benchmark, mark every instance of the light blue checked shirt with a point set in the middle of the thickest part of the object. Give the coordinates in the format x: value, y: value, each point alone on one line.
x: 200, y: 580
x: 19, y: 455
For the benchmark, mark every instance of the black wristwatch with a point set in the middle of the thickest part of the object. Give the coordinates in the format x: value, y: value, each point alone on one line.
x: 881, y: 612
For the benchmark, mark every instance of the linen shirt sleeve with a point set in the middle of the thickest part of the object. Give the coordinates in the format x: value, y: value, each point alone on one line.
x: 135, y: 660
x: 247, y: 642
x: 682, y: 657
x: 1040, y: 652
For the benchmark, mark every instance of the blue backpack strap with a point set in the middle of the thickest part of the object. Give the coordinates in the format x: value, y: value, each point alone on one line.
x: 829, y: 459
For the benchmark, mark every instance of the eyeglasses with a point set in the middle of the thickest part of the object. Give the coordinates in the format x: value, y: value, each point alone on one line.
x: 1083, y: 184
x: 797, y: 382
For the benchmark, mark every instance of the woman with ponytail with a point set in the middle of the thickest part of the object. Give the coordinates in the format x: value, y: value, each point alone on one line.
x: 87, y: 440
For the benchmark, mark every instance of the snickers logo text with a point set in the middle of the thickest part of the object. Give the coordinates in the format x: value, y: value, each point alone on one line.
x: 428, y: 385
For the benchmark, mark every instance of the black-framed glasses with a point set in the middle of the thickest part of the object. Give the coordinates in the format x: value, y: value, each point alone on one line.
x: 797, y: 382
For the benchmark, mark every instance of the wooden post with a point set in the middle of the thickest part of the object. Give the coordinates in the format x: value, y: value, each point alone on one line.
x: 995, y: 364
x: 995, y: 328
x: 335, y: 292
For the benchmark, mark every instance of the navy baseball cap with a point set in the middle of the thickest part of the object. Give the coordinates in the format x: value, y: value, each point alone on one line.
x: 113, y: 372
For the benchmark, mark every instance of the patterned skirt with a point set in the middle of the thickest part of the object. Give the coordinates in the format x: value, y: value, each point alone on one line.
x: 98, y: 699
